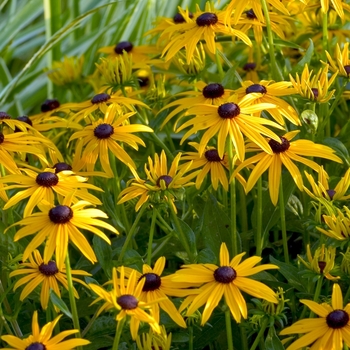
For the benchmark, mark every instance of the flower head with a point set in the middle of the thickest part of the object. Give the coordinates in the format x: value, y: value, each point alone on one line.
x: 154, y: 341
x: 341, y: 64
x: 338, y: 225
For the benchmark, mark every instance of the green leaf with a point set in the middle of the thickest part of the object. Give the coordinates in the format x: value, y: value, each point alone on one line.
x: 206, y: 256
x: 58, y: 302
x: 285, y: 43
x: 272, y: 342
x: 305, y: 60
x: 103, y: 252
x: 339, y: 148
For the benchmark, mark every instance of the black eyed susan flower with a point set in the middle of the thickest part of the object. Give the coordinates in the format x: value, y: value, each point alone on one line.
x: 231, y: 120
x: 154, y: 341
x: 14, y: 124
x: 48, y: 276
x: 329, y: 331
x: 269, y: 92
x: 314, y: 87
x: 228, y: 280
x: 43, y: 340
x: 60, y: 224
x: 43, y: 186
x: 203, y: 26
x: 124, y: 298
x: 103, y: 135
x: 284, y: 153
x: 161, y: 184
x: 341, y: 63
x: 338, y: 224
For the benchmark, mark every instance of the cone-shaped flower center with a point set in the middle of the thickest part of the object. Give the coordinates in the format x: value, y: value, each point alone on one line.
x: 127, y: 302
x: 99, y: 98
x: 225, y: 274
x: 123, y: 46
x: 61, y: 214
x: 250, y: 14
x: 4, y: 115
x: 315, y: 92
x: 25, y: 119
x: 152, y: 282
x: 61, y: 167
x: 279, y: 147
x: 249, y: 66
x: 49, y: 105
x: 347, y: 69
x: 322, y: 265
x: 167, y: 179
x: 36, y: 346
x: 47, y: 179
x: 228, y: 110
x: 207, y: 19
x: 256, y: 88
x: 48, y: 269
x: 331, y: 193
x: 143, y: 81
x: 213, y: 91
x: 2, y: 138
x: 178, y: 18
x: 337, y: 319
x: 103, y: 131
x: 212, y: 155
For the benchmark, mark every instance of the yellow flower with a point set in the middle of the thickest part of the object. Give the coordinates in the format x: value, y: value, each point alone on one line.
x: 341, y: 64
x: 338, y: 225
x: 228, y: 280
x: 154, y: 341
x: 125, y: 299
x: 314, y: 86
x: 329, y: 331
x: 103, y: 135
x: 160, y: 183
x: 42, y: 339
x: 322, y: 262
x: 59, y: 224
x: 47, y: 275
x: 284, y: 154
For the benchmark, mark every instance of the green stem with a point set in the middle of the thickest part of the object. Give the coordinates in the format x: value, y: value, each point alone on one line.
x: 118, y: 334
x: 190, y: 341
x: 88, y: 326
x: 258, y: 237
x: 325, y: 34
x: 317, y: 293
x: 228, y: 328
x: 244, y: 338
x: 244, y: 218
x: 131, y: 233
x: 150, y: 240
x: 347, y: 296
x: 219, y: 65
x: 260, y: 334
x: 73, y: 305
x: 283, y: 223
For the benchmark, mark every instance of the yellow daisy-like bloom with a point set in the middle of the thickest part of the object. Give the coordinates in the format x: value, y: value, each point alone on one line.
x: 213, y: 94
x: 337, y: 5
x: 314, y: 87
x: 103, y: 135
x: 341, y: 64
x: 159, y: 179
x: 329, y: 331
x: 322, y: 262
x: 154, y: 341
x: 202, y: 26
x: 48, y: 108
x: 231, y: 119
x: 228, y: 280
x: 284, y: 154
x: 159, y: 288
x: 59, y: 224
x: 43, y: 340
x: 268, y: 92
x: 338, y: 225
x: 14, y: 124
x: 125, y: 299
x: 43, y: 186
x: 47, y: 275
x: 208, y: 162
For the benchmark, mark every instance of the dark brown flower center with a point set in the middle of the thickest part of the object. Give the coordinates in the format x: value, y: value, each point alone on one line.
x: 249, y: 66
x: 166, y: 178
x: 4, y: 115
x: 225, y: 274
x: 48, y: 269
x: 250, y: 14
x: 61, y: 214
x: 279, y: 147
x: 61, y: 167
x: 178, y: 18
x: 228, y: 110
x: 103, y: 131
x: 36, y: 346
x: 143, y: 81
x: 99, y: 98
x: 25, y: 119
x: 47, y: 179
x: 315, y: 93
x: 152, y: 282
x: 207, y: 19
x: 2, y: 138
x: 49, y: 105
x: 331, y: 193
x: 256, y: 88
x: 123, y: 46
x: 213, y: 91
x: 212, y: 155
x: 127, y: 302
x: 337, y: 319
x: 347, y: 69
x: 322, y: 265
